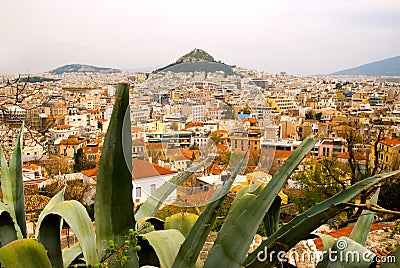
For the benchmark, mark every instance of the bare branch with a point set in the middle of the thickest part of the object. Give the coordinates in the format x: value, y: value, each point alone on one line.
x: 373, y: 208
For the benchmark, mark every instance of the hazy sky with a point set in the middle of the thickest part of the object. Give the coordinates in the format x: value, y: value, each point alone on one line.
x: 299, y: 37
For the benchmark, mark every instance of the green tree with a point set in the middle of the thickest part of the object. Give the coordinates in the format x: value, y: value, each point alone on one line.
x: 321, y: 179
x: 310, y: 114
x: 174, y: 126
x: 318, y: 116
x: 245, y: 110
x: 216, y: 138
x: 228, y: 112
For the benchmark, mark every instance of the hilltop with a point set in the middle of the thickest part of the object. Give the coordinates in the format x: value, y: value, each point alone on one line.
x: 76, y: 68
x: 197, y: 60
x: 386, y: 67
x: 196, y: 55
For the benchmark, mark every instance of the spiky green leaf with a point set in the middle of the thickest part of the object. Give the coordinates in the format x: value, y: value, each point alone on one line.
x: 74, y: 213
x: 364, y: 222
x: 166, y: 244
x: 12, y: 183
x: 70, y: 254
x: 271, y: 218
x: 302, y: 225
x: 190, y: 249
x: 182, y: 222
x: 48, y: 230
x: 114, y: 204
x: 327, y: 241
x: 241, y: 224
x: 8, y: 226
x: 24, y: 253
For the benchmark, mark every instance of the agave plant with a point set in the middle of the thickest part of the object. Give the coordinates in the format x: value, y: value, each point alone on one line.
x: 159, y: 246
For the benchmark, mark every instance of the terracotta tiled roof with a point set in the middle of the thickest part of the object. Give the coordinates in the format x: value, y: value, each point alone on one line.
x: 188, y: 153
x: 90, y: 172
x: 282, y: 154
x: 101, y: 120
x: 30, y: 167
x: 250, y: 120
x: 199, y: 197
x: 194, y: 124
x: 222, y: 148
x: 390, y: 142
x: 136, y: 129
x: 143, y: 169
x: 357, y: 156
x: 71, y: 142
x: 63, y: 127
x: 216, y: 169
x: 175, y: 154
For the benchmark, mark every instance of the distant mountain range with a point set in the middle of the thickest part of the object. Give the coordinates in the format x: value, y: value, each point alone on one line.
x: 82, y: 68
x: 197, y: 60
x: 386, y: 67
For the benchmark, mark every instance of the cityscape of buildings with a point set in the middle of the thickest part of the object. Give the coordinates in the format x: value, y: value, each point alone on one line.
x: 174, y: 116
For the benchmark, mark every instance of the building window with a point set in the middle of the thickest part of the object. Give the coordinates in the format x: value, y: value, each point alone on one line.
x: 138, y: 192
x: 152, y: 188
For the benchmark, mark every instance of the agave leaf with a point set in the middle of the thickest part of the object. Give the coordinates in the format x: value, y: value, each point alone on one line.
x: 150, y: 207
x: 74, y: 213
x: 191, y: 247
x: 298, y: 228
x: 70, y: 254
x: 114, y: 204
x: 24, y: 253
x: 12, y: 183
x: 182, y: 222
x: 48, y: 230
x: 58, y: 198
x: 241, y: 224
x: 8, y: 226
x: 166, y: 244
x: 271, y: 218
x: 327, y: 241
x: 364, y: 222
x: 348, y: 253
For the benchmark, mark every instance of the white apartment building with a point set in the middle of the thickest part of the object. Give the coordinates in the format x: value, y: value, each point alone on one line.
x: 139, y: 115
x: 77, y: 120
x: 198, y: 113
x: 62, y: 132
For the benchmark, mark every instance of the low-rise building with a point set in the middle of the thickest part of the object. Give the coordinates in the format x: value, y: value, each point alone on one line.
x: 387, y: 154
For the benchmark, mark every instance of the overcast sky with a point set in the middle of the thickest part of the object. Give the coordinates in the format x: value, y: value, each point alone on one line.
x: 299, y: 37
